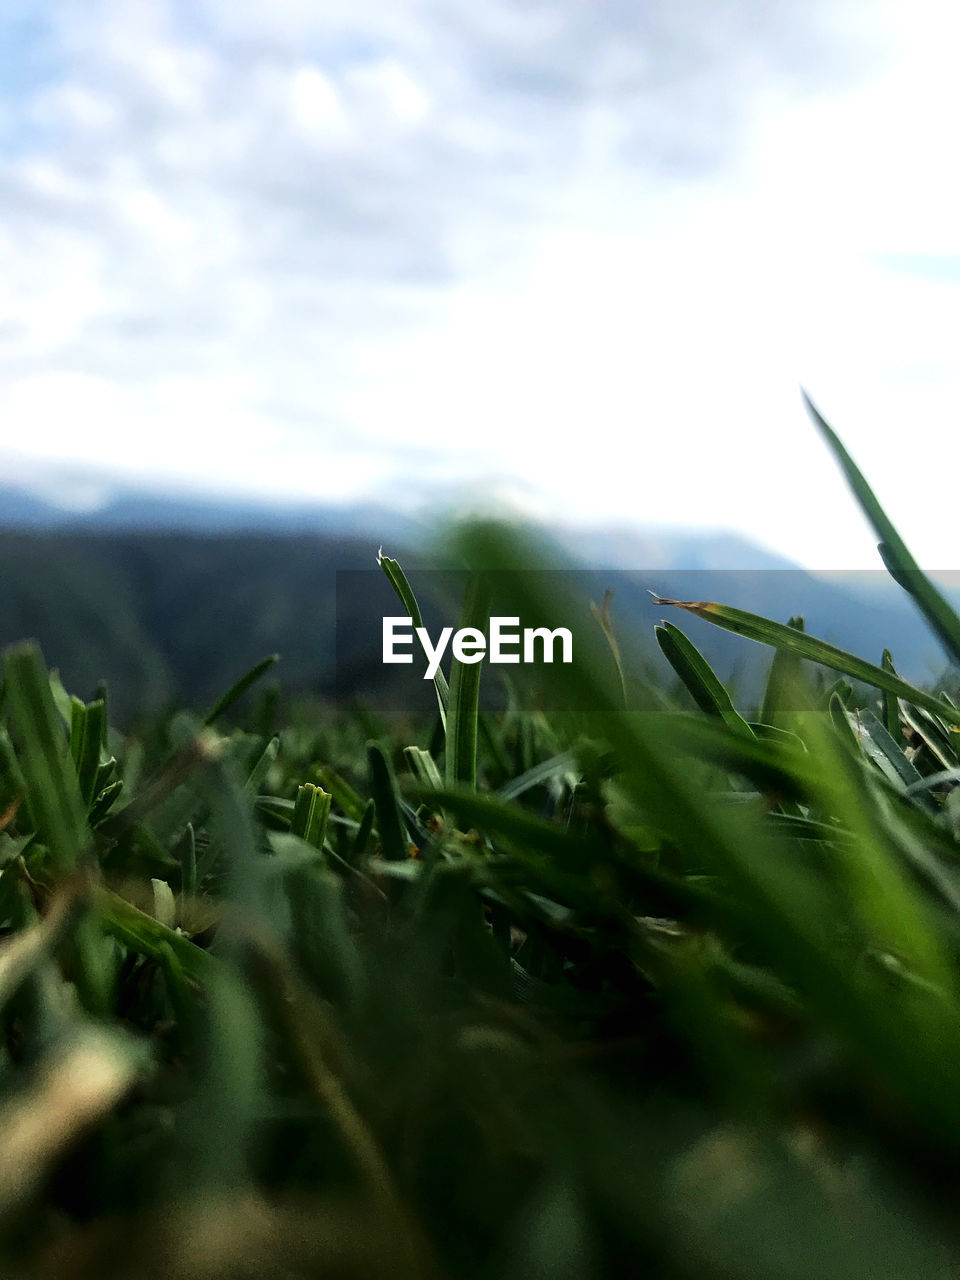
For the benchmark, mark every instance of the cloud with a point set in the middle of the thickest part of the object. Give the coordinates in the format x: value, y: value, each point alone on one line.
x: 291, y: 244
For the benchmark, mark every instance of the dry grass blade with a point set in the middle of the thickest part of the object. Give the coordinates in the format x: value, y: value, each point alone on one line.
x: 76, y: 1086
x: 20, y: 954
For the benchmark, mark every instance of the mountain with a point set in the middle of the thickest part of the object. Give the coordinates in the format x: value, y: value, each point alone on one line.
x: 128, y: 510
x: 175, y: 615
x: 21, y: 509
x: 620, y: 547
x: 182, y: 614
x: 172, y: 598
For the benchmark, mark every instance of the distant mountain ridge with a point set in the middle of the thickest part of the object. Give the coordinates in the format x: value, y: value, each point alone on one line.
x: 176, y: 597
x: 130, y: 511
x: 625, y: 547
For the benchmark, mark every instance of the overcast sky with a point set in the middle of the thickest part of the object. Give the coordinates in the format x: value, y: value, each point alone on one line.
x: 578, y: 254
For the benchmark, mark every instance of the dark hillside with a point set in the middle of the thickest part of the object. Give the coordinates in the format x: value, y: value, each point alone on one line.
x: 173, y: 615
x: 179, y: 615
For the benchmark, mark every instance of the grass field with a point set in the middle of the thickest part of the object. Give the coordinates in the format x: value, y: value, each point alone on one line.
x: 623, y: 989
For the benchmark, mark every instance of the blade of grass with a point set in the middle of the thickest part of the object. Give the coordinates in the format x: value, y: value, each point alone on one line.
x: 310, y: 813
x: 52, y: 788
x: 933, y: 734
x: 557, y: 765
x: 460, y: 758
x: 393, y: 839
x: 404, y: 592
x: 238, y: 689
x: 783, y: 682
x: 605, y: 621
x: 13, y: 785
x: 701, y: 680
x: 342, y: 792
x: 423, y: 767
x: 263, y: 765
x: 893, y: 550
x: 891, y: 707
x: 934, y: 780
x: 362, y: 837
x: 21, y: 953
x: 145, y: 936
x: 88, y: 729
x: 775, y: 634
x: 906, y: 770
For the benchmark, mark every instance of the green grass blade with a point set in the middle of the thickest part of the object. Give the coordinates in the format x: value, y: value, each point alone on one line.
x: 701, y: 680
x: 393, y: 839
x: 238, y: 689
x: 906, y: 770
x: 263, y: 765
x: 105, y: 801
x: 188, y: 863
x: 229, y: 1089
x: 899, y: 562
x: 52, y: 788
x: 775, y: 634
x: 933, y: 734
x: 891, y: 707
x: 460, y: 759
x: 13, y: 785
x: 934, y: 780
x: 342, y: 792
x: 362, y: 837
x: 404, y: 592
x: 310, y: 813
x: 783, y: 683
x: 603, y: 617
x: 555, y: 767
x: 22, y: 953
x: 145, y: 936
x: 88, y: 728
x: 423, y: 767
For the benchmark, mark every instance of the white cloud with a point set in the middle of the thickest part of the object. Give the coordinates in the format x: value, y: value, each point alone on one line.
x: 316, y: 105
x: 390, y: 90
x: 322, y: 248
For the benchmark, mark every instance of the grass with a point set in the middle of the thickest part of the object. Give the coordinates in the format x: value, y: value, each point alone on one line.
x: 610, y: 991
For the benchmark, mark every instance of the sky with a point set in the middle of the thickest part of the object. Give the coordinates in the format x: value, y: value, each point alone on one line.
x: 576, y: 256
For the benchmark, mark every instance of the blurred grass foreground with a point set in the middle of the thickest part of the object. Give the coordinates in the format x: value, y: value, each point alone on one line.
x: 625, y: 988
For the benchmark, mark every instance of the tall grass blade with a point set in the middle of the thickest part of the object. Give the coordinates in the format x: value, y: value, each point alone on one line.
x: 460, y: 758
x: 404, y: 592
x: 893, y: 550
x: 603, y: 617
